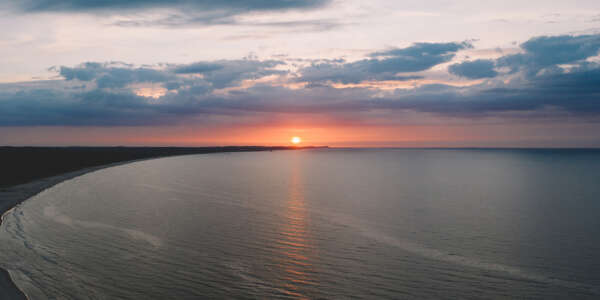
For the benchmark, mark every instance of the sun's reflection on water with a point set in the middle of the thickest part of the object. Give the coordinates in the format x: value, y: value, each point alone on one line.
x: 295, y: 244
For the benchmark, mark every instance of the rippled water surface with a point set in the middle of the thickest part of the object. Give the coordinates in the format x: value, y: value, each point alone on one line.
x: 316, y: 224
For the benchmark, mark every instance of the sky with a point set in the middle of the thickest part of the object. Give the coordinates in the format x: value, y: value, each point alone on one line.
x: 340, y: 73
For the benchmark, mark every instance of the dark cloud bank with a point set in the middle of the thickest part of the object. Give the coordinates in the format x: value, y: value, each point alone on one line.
x: 106, y: 5
x: 551, y: 73
x: 384, y: 65
x: 178, y: 13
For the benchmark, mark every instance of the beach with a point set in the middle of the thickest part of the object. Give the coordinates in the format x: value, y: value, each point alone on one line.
x: 79, y: 160
x: 11, y: 197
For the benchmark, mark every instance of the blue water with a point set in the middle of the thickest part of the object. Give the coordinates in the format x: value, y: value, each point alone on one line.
x: 331, y: 223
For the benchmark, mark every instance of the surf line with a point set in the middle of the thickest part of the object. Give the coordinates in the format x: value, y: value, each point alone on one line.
x: 439, y: 255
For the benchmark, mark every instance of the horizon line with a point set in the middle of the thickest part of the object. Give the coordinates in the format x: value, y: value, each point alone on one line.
x: 313, y: 147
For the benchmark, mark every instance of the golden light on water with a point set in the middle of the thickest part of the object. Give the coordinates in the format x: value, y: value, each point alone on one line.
x: 296, y: 247
x: 296, y: 140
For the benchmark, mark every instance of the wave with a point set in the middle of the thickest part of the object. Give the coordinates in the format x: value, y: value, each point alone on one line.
x: 52, y: 213
x: 431, y: 253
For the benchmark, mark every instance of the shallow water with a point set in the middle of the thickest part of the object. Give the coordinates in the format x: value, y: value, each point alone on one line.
x: 316, y: 224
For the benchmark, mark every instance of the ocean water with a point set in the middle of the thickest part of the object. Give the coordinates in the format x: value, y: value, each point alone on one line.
x: 329, y: 224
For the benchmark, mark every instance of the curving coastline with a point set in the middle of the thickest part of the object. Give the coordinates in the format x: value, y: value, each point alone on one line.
x: 12, y: 196
x: 8, y: 289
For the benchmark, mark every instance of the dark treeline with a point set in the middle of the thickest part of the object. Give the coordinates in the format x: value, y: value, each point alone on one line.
x: 23, y: 164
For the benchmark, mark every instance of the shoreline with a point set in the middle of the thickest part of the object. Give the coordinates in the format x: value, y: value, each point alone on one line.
x: 12, y: 196
x: 8, y: 289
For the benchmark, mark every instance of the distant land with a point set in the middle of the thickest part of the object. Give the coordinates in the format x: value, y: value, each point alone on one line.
x: 24, y: 164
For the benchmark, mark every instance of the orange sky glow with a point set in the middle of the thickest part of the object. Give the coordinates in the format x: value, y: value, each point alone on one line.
x: 499, y: 135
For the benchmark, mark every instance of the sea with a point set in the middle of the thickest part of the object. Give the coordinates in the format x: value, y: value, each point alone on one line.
x: 317, y: 224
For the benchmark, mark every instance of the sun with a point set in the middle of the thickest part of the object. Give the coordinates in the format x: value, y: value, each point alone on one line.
x: 296, y: 140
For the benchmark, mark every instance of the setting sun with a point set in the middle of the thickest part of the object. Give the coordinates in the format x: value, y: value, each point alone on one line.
x: 296, y: 140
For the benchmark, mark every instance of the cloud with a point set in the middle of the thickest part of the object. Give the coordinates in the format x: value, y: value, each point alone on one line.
x: 424, y: 50
x: 112, y: 75
x: 476, y: 69
x: 549, y: 51
x: 191, y: 18
x: 104, y: 94
x: 225, y: 73
x: 180, y: 13
x: 384, y: 65
x: 86, y: 72
x: 214, y: 75
x: 347, y: 73
x: 195, y: 5
x: 198, y: 68
x: 45, y: 107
